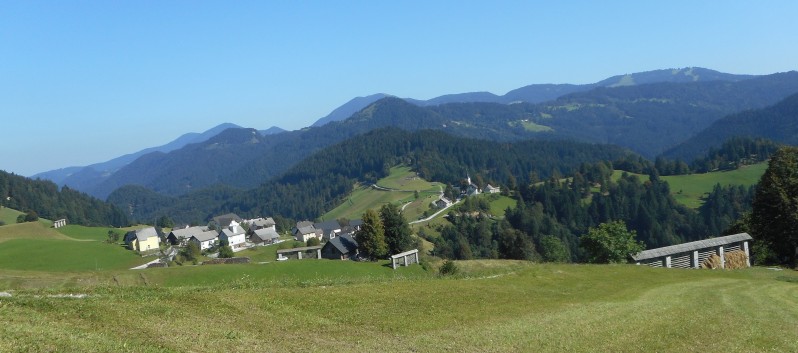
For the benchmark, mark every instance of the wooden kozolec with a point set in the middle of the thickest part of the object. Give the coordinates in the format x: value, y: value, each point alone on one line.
x: 691, y: 255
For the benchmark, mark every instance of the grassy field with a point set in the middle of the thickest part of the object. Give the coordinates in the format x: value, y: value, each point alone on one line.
x: 9, y: 215
x: 495, y: 306
x: 691, y: 189
x: 34, y: 247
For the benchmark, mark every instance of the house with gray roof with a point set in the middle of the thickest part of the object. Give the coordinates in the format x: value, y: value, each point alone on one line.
x: 143, y: 240
x: 205, y: 240
x: 235, y: 236
x: 305, y: 230
x: 179, y: 236
x: 264, y: 236
x: 692, y: 254
x: 227, y: 220
x: 260, y: 223
x: 342, y: 247
x: 329, y: 229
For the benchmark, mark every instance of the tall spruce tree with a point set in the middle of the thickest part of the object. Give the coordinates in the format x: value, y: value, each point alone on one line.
x: 371, y: 236
x: 775, y: 208
x: 397, y: 232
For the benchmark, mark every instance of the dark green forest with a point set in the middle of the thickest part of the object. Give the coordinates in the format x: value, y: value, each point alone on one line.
x: 45, y: 198
x: 321, y: 181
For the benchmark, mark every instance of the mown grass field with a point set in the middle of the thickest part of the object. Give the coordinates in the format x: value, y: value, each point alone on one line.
x: 691, y: 189
x: 496, y: 306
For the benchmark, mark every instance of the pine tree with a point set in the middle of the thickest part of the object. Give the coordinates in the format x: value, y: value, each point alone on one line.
x: 397, y: 232
x: 775, y: 208
x: 371, y: 236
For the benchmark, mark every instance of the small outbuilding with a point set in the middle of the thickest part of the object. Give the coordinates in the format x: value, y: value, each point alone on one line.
x: 692, y: 254
x: 341, y: 247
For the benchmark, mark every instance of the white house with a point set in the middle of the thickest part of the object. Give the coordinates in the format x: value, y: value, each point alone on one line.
x: 179, y: 236
x: 234, y: 235
x: 205, y: 239
x: 490, y: 189
x: 305, y: 230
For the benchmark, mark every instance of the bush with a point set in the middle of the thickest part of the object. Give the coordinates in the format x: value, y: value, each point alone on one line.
x: 449, y: 268
x: 313, y: 241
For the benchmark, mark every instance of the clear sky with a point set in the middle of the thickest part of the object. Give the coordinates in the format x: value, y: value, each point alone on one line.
x: 86, y: 81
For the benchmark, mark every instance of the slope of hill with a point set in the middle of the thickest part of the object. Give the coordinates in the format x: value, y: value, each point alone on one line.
x: 778, y: 123
x: 349, y: 108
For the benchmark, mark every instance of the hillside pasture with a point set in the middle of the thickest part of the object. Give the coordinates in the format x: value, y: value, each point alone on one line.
x: 9, y: 215
x: 495, y: 306
x: 691, y: 189
x: 398, y: 188
x: 29, y: 230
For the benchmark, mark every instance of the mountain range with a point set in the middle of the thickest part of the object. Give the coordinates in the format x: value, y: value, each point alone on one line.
x: 646, y: 112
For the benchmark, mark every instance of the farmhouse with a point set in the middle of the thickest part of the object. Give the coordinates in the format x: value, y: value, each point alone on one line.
x: 305, y: 230
x: 144, y: 239
x: 340, y: 248
x: 442, y: 202
x: 264, y: 236
x: 329, y: 229
x: 205, y: 239
x: 490, y: 189
x: 235, y: 236
x: 691, y: 255
x: 260, y: 223
x: 227, y: 220
x: 182, y: 235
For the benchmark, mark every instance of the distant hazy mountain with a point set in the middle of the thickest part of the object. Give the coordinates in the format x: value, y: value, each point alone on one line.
x: 80, y: 177
x: 538, y: 93
x: 271, y: 131
x: 349, y: 108
x: 778, y: 123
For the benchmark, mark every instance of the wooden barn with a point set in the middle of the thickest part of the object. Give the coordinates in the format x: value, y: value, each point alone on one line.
x: 691, y: 255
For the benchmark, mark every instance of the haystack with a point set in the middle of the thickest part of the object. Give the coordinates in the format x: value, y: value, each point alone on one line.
x: 711, y: 262
x: 736, y: 259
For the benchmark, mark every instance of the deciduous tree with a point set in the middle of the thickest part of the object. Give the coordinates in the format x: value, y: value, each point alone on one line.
x: 610, y: 243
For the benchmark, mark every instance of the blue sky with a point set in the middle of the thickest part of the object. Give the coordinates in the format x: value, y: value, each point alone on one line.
x: 86, y: 81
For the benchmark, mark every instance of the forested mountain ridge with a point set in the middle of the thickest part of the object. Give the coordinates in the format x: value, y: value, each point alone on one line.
x: 778, y: 123
x: 45, y: 198
x: 538, y: 93
x: 319, y: 182
x: 647, y: 118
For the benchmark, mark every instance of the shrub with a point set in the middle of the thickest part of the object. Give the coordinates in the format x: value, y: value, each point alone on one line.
x: 448, y: 268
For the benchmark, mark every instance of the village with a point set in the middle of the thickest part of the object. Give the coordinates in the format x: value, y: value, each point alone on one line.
x: 332, y: 239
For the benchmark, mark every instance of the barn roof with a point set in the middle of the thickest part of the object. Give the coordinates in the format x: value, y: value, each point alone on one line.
x: 344, y: 243
x: 691, y: 246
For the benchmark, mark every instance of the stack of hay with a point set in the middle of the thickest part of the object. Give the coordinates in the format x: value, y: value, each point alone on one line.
x: 736, y: 259
x: 712, y: 262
